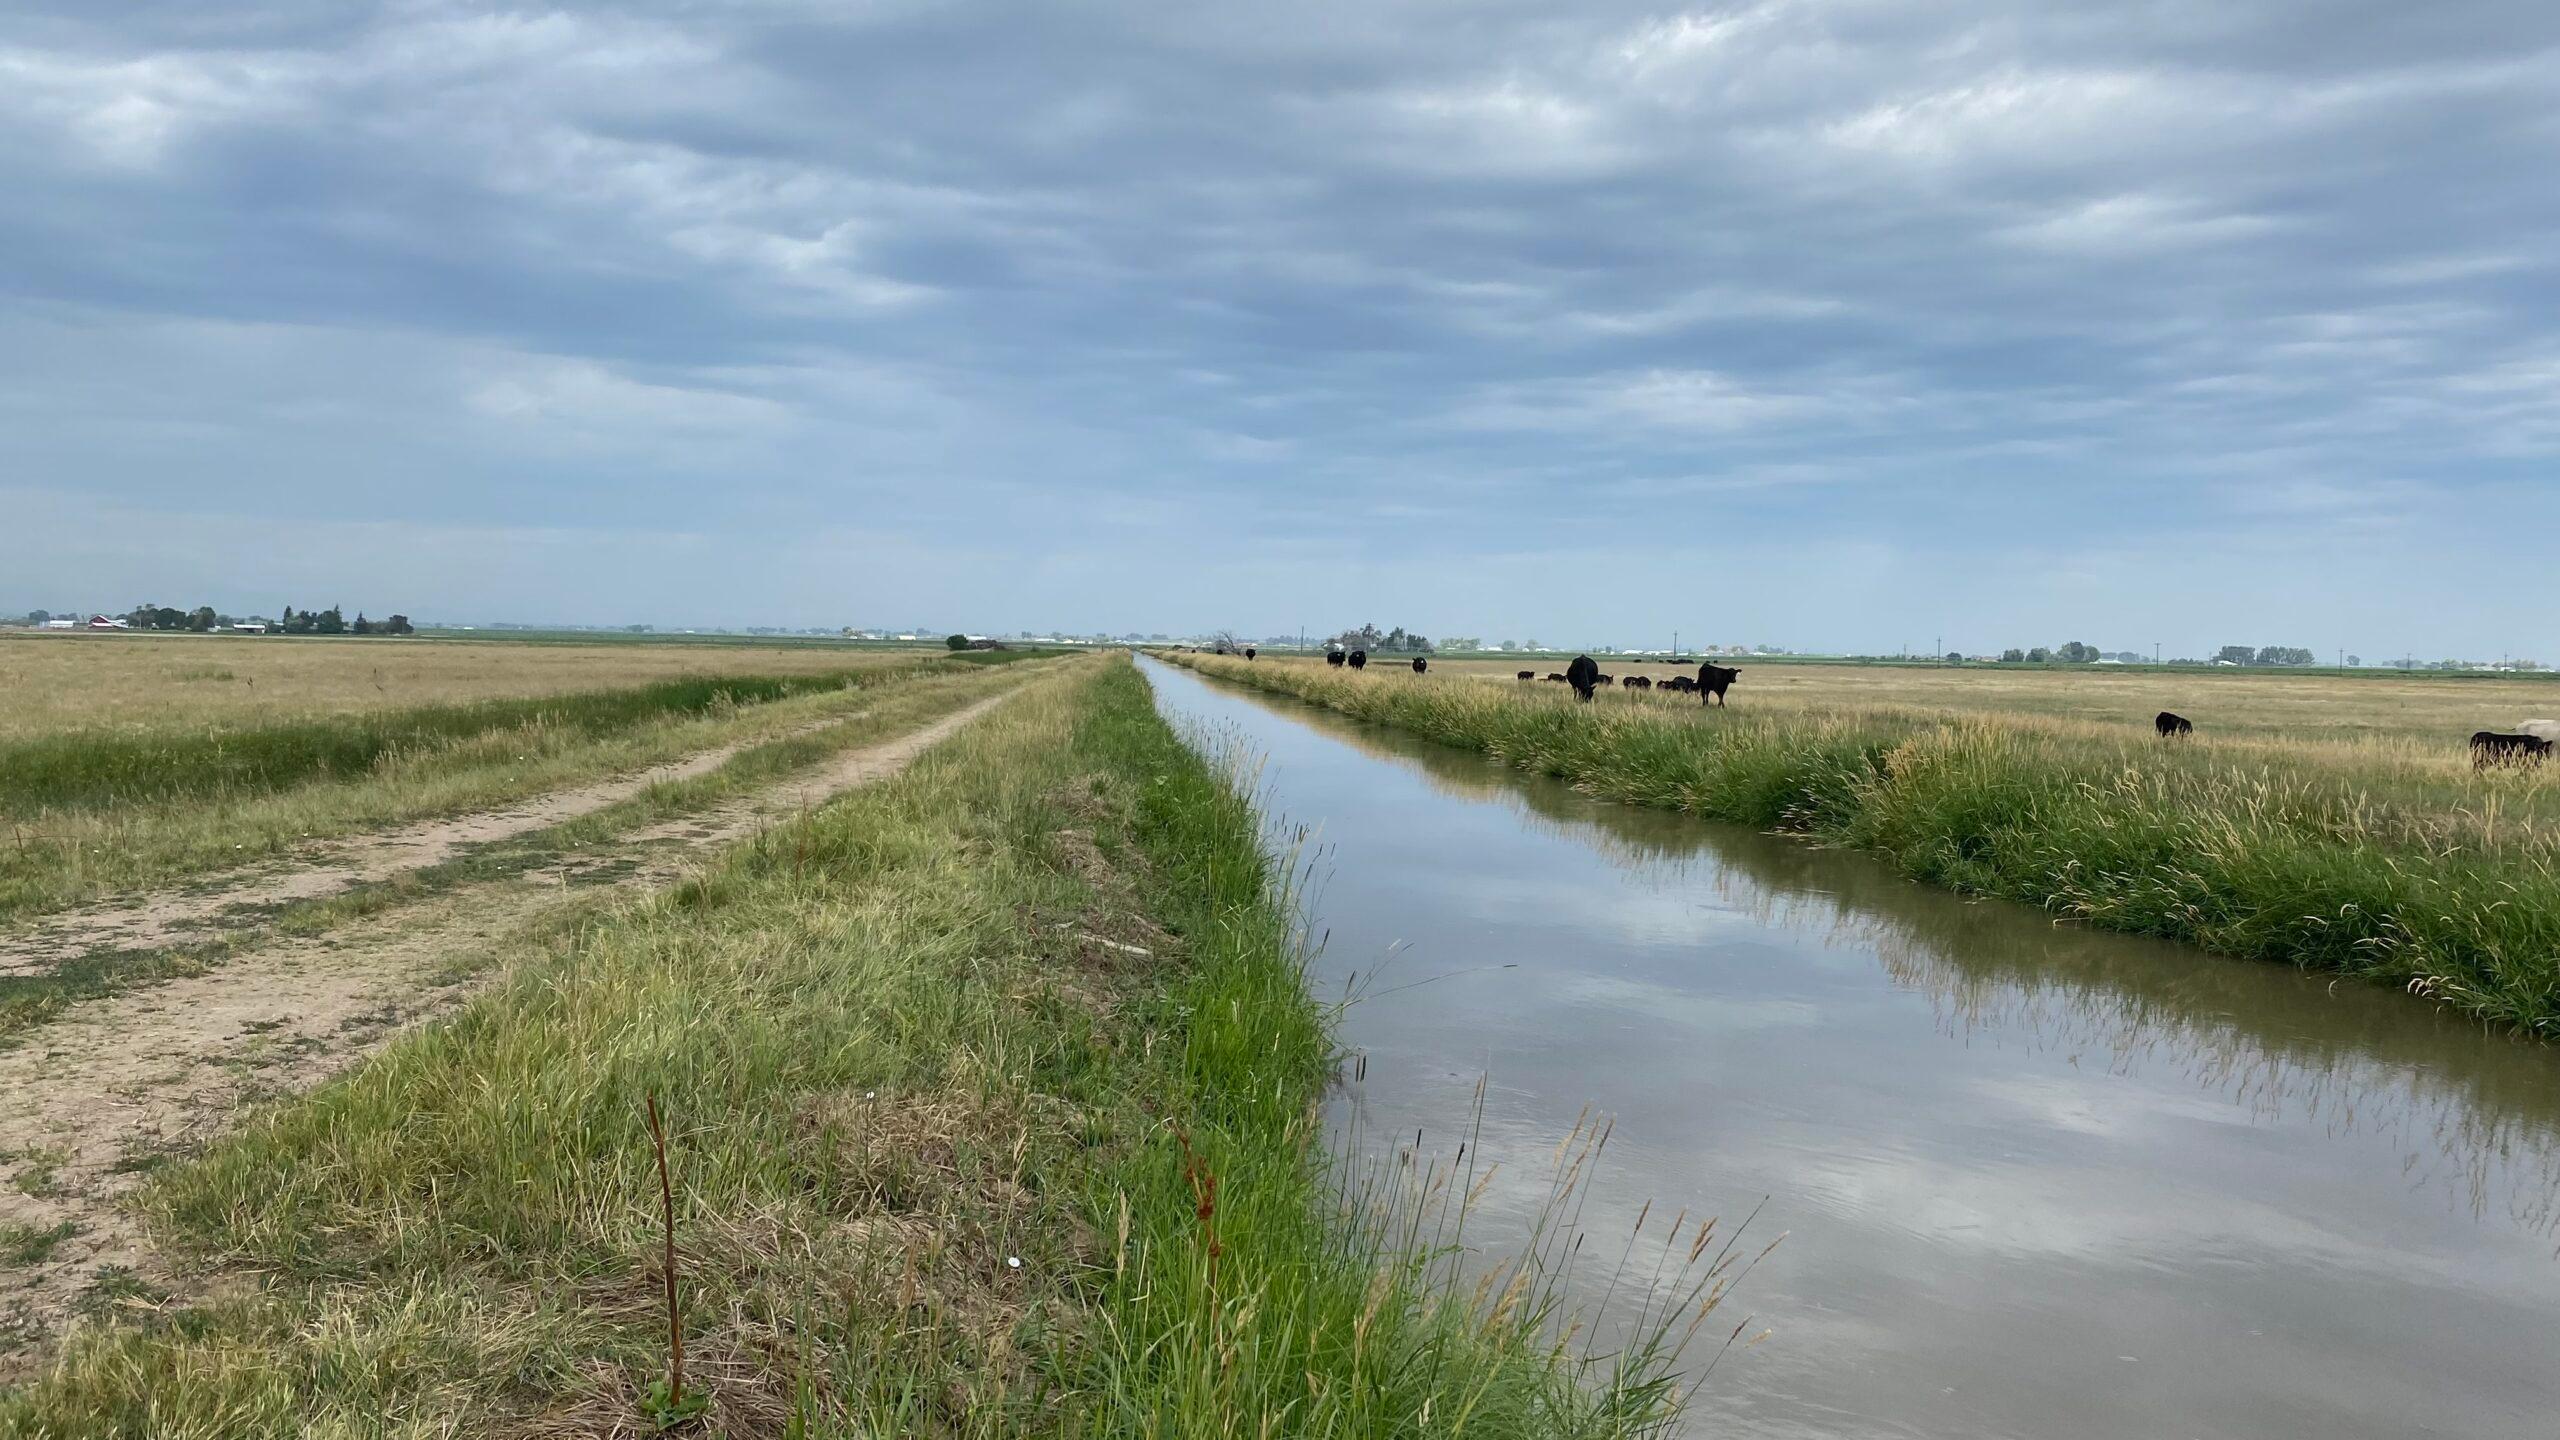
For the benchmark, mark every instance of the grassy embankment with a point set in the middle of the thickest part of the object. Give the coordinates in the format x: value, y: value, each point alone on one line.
x: 91, y: 813
x: 993, y: 1108
x: 2385, y: 859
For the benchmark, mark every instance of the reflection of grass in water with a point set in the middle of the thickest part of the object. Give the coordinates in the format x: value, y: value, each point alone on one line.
x: 2373, y: 862
x: 2487, y: 1106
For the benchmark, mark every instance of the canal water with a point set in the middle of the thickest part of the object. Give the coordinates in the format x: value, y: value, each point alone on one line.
x: 2034, y: 1181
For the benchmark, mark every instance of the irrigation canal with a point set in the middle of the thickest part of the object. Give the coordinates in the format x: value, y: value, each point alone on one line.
x: 2036, y: 1181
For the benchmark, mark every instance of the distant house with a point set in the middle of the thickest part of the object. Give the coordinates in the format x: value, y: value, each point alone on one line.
x: 982, y: 642
x: 248, y: 627
x: 64, y: 624
x: 103, y: 622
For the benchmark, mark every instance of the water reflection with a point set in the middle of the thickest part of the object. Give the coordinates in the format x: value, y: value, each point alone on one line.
x: 2478, y: 1114
x: 2043, y: 1181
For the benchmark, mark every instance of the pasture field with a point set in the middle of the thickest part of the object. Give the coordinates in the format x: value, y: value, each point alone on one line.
x: 2377, y: 852
x: 2427, y: 709
x: 105, y: 683
x: 991, y: 1097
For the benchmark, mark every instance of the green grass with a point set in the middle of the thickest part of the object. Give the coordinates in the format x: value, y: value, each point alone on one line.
x: 95, y: 772
x: 2360, y: 861
x: 945, y: 1163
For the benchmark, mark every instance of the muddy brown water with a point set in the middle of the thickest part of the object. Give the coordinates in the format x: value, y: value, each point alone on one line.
x: 2036, y: 1181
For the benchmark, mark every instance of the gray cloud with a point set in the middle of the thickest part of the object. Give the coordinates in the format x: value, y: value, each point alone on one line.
x: 2027, y: 310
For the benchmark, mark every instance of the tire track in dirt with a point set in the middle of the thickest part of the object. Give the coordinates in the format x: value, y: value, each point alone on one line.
x: 89, y: 1099
x: 196, y: 913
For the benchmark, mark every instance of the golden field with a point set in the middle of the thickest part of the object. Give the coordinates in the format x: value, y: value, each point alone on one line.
x: 53, y: 683
x: 2432, y: 709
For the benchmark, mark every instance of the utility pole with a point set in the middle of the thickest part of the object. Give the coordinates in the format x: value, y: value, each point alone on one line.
x: 2155, y: 653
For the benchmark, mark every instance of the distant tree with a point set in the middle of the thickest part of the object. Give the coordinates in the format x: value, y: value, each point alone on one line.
x: 39, y: 617
x: 2236, y: 655
x: 2355, y: 660
x: 956, y: 642
x: 332, y: 621
x: 363, y: 626
x: 202, y: 619
x: 1225, y: 642
x: 1955, y: 657
x: 2286, y: 655
x: 2039, y: 656
x: 2076, y: 653
x: 398, y: 625
x: 2013, y: 655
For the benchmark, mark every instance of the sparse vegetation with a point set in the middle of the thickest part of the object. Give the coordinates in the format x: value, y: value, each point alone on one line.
x: 2386, y: 859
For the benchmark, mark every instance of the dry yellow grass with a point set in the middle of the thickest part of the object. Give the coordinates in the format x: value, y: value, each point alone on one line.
x: 2379, y: 705
x: 50, y: 684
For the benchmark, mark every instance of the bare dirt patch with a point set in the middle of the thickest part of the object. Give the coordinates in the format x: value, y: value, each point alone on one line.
x: 91, y: 1101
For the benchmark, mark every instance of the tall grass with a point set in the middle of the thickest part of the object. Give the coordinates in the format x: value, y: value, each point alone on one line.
x: 990, y: 1098
x: 80, y: 772
x: 2350, y: 859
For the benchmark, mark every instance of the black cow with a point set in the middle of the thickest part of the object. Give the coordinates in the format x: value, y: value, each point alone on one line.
x: 1551, y: 675
x: 1359, y: 659
x: 2173, y: 725
x: 1248, y: 652
x: 1635, y: 682
x: 1583, y: 675
x: 2489, y: 747
x: 1712, y: 680
x: 1528, y: 674
x: 1418, y: 666
x: 1333, y: 657
x: 1680, y: 683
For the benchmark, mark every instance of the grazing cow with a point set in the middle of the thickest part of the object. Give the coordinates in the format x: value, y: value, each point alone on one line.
x: 1359, y: 659
x: 1248, y: 652
x: 1418, y: 666
x: 1583, y: 675
x: 1712, y: 680
x: 1605, y: 679
x: 1528, y: 674
x: 2173, y: 725
x: 1635, y: 682
x: 1333, y: 657
x: 2488, y: 748
x: 2541, y: 730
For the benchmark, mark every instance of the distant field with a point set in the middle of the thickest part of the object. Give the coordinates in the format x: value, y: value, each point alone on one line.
x: 2327, y: 705
x: 53, y: 684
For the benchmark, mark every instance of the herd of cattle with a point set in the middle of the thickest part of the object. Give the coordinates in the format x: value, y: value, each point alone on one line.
x: 2528, y: 744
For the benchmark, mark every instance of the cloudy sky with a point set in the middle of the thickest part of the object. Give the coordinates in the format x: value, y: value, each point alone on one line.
x: 1832, y: 323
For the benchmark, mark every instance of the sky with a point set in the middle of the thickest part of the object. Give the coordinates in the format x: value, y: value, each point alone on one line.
x: 1835, y: 324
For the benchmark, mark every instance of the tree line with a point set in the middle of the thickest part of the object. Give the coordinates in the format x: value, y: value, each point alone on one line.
x: 1370, y: 638
x: 204, y: 618
x: 2076, y: 653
